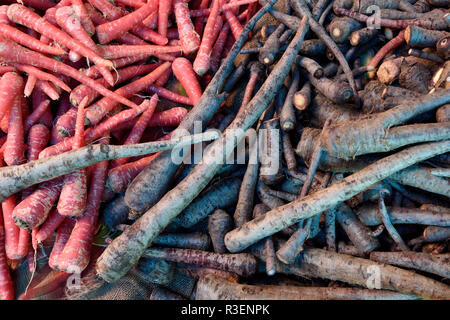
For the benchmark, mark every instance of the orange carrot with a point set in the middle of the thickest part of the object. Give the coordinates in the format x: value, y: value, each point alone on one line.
x: 67, y: 19
x: 163, y: 16
x: 183, y: 71
x: 28, y: 41
x: 73, y: 197
x: 135, y: 134
x: 11, y: 85
x: 120, y: 51
x: 111, y: 30
x: 24, y: 16
x: 202, y: 60
x: 14, y: 145
x: 190, y: 40
x: 12, y: 52
x: 6, y: 284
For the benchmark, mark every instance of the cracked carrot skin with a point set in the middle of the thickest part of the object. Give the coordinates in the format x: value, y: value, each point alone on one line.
x: 190, y: 40
x: 24, y: 16
x: 32, y: 211
x: 136, y: 133
x: 97, y: 111
x: 11, y: 85
x: 6, y: 283
x: 184, y: 72
x: 12, y: 52
x: 14, y: 145
x: 111, y: 30
x: 69, y: 22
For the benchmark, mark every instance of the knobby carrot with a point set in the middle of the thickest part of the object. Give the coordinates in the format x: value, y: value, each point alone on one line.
x: 12, y: 52
x: 184, y: 72
x: 190, y: 40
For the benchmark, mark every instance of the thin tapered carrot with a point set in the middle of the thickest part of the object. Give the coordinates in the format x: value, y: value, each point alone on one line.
x: 67, y: 19
x: 132, y: 3
x: 190, y: 40
x: 24, y: 16
x: 202, y: 60
x: 73, y: 197
x: 136, y: 133
x: 11, y: 85
x: 28, y: 41
x: 80, y: 10
x: 184, y: 72
x: 93, y: 72
x: 218, y: 47
x: 162, y: 80
x: 29, y: 85
x: 52, y: 223
x: 98, y: 110
x: 10, y: 229
x: 12, y: 52
x: 6, y: 283
x: 110, y: 11
x: 169, y: 118
x: 200, y: 21
x: 37, y: 113
x: 23, y: 244
x: 163, y: 16
x: 391, y: 45
x: 39, y: 4
x: 14, y: 145
x: 235, y: 25
x: 42, y: 75
x: 62, y: 236
x: 149, y: 35
x: 225, y: 7
x: 120, y: 51
x: 48, y: 89
x: 111, y: 30
x: 169, y: 95
x: 151, y: 21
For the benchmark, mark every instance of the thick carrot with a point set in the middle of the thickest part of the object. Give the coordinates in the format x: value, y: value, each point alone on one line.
x: 28, y: 41
x: 48, y: 89
x: 39, y: 4
x: 111, y: 30
x: 81, y: 11
x: 202, y: 60
x: 122, y: 75
x: 132, y: 3
x: 11, y: 85
x: 29, y: 85
x: 151, y: 21
x: 190, y: 40
x: 120, y: 51
x: 163, y: 16
x: 76, y: 254
x: 6, y: 283
x: 62, y: 236
x: 184, y: 72
x: 37, y: 113
x: 169, y: 118
x: 32, y: 211
x: 37, y: 140
x: 169, y: 95
x: 67, y: 19
x: 135, y: 134
x: 97, y: 111
x: 108, y: 9
x: 24, y: 16
x: 11, y: 52
x: 10, y: 229
x: 14, y: 145
x: 65, y: 125
x: 119, y: 177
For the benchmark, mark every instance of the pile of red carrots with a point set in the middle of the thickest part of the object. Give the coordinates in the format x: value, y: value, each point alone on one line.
x: 75, y: 72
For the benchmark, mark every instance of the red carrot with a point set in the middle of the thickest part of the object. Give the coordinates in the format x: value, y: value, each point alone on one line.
x: 6, y: 69
x: 81, y: 12
x: 73, y: 197
x: 48, y: 89
x: 14, y: 145
x: 163, y: 16
x: 36, y: 114
x: 38, y: 4
x: 28, y: 41
x: 23, y: 244
x: 6, y: 284
x: 182, y: 69
x: 29, y: 85
x: 132, y: 3
x: 150, y: 35
x: 162, y: 80
x: 235, y: 26
x: 62, y: 236
x: 24, y: 16
x: 168, y: 118
x: 169, y: 95
x: 152, y: 21
x: 228, y: 6
x: 65, y: 125
x: 111, y: 30
x: 37, y: 140
x: 107, y: 8
x: 119, y: 177
x: 11, y: 85
x: 93, y: 72
x: 76, y: 254
x: 391, y: 45
x: 52, y: 223
x: 42, y: 75
x: 202, y: 60
x: 190, y: 40
x: 11, y: 52
x: 97, y: 111
x: 200, y: 21
x: 218, y: 47
x: 67, y: 19
x: 32, y: 211
x: 135, y: 134
x: 10, y: 229
x: 120, y: 51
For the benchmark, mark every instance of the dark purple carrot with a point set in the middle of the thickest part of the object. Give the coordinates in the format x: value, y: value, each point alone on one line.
x: 219, y: 223
x: 287, y: 115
